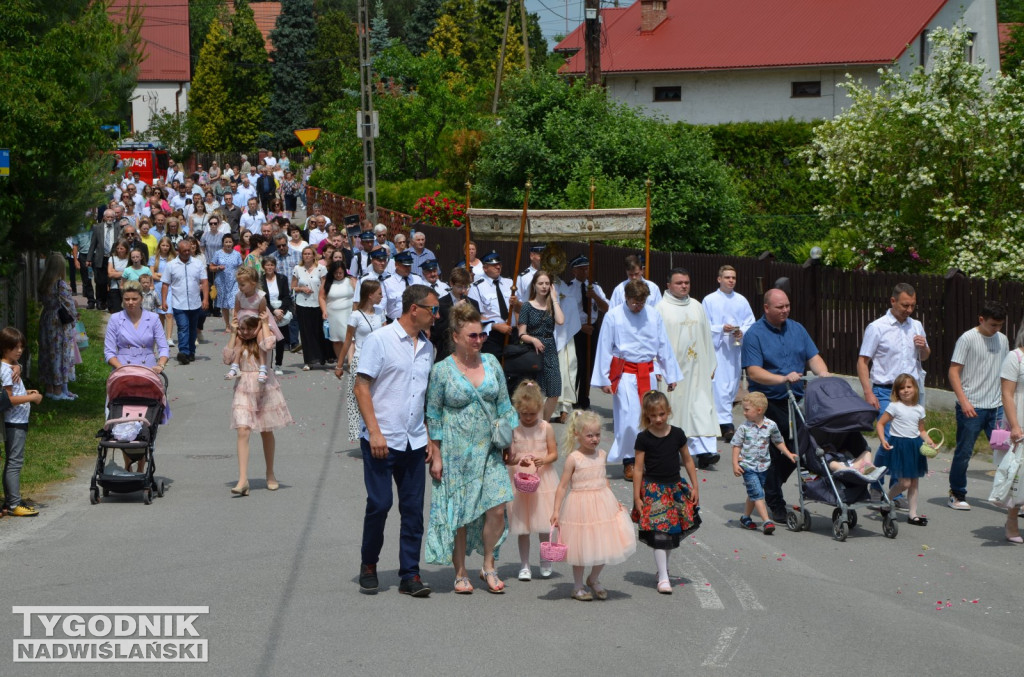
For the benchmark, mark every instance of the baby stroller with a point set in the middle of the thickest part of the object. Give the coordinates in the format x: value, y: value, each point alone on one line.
x: 136, y: 402
x: 834, y: 418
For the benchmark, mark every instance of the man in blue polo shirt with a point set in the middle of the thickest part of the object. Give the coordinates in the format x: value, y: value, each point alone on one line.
x: 776, y: 352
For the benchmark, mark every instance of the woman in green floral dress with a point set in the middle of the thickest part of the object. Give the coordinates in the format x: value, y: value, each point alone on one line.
x: 471, y: 486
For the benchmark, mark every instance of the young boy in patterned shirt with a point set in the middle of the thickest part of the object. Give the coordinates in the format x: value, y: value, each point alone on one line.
x: 751, y: 458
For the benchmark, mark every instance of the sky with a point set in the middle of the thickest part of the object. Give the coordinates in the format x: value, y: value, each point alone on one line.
x: 553, y: 15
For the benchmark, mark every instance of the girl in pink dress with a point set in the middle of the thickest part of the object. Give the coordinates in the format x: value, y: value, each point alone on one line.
x: 594, y: 526
x: 533, y: 450
x: 251, y: 301
x: 257, y: 405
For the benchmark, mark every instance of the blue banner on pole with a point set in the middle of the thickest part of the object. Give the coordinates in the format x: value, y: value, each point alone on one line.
x: 5, y: 162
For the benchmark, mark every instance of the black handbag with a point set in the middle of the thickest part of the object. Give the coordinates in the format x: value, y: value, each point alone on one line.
x: 64, y: 315
x: 522, y: 360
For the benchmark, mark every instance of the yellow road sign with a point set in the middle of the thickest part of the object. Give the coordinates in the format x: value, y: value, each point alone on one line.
x: 308, y: 136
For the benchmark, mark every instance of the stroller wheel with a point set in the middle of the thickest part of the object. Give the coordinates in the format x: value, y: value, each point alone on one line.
x: 160, y: 489
x: 94, y: 496
x: 106, y: 492
x: 840, y: 530
x: 794, y: 520
x: 147, y: 496
x: 889, y: 527
x: 853, y: 519
x: 807, y: 519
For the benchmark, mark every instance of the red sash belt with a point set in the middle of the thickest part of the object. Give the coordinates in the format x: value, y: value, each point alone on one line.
x: 643, y: 371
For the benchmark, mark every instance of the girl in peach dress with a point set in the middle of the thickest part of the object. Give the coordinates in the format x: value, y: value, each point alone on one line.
x: 257, y: 406
x: 592, y: 523
x: 533, y: 450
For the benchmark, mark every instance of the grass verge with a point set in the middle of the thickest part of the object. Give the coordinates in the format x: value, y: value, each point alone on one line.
x: 60, y: 431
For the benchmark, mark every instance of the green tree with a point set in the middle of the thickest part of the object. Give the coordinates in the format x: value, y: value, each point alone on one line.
x: 560, y: 135
x: 421, y: 25
x: 173, y: 130
x: 209, y: 100
x: 380, y: 33
x: 67, y: 69
x: 334, y: 62
x: 201, y: 13
x: 1011, y: 57
x: 249, y: 79
x: 294, y: 41
x: 924, y: 172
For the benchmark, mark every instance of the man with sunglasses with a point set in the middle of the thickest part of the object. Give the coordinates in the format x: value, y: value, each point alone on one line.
x: 390, y: 389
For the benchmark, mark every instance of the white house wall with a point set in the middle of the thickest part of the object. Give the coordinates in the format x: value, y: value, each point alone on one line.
x: 151, y: 97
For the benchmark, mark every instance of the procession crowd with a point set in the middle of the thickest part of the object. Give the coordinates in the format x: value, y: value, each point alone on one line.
x: 463, y: 379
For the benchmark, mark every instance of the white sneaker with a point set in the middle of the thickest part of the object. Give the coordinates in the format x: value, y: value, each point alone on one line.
x: 278, y: 372
x: 170, y: 343
x: 958, y: 503
x: 525, y: 574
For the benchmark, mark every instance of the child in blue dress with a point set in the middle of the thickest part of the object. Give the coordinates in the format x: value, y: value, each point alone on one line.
x: 906, y: 434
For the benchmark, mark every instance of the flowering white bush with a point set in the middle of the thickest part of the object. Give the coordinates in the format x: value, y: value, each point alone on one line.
x: 926, y: 170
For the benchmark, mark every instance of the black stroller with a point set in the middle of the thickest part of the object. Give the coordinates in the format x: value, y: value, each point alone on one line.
x: 136, y: 402
x: 834, y: 418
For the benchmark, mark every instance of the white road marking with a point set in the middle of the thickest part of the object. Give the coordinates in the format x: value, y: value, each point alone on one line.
x: 706, y: 595
x: 726, y: 647
x: 744, y: 593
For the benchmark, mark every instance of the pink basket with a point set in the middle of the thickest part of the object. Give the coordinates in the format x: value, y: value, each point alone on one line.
x: 526, y: 482
x: 554, y: 551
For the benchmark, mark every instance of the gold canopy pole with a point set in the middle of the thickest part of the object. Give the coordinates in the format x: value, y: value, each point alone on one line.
x: 519, y: 248
x: 469, y: 266
x: 647, y: 246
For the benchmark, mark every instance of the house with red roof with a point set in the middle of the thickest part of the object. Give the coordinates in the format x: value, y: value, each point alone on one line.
x: 709, y: 62
x: 164, y: 74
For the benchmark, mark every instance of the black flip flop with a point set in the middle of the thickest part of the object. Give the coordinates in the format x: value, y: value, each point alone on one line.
x: 919, y: 520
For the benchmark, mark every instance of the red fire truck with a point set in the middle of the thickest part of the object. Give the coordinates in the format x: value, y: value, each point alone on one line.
x: 148, y: 160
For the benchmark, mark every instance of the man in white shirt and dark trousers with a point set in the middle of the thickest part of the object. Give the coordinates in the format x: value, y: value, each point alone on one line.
x: 493, y: 294
x: 590, y: 302
x: 361, y: 257
x: 395, y: 286
x: 390, y: 389
x: 974, y: 377
x: 893, y: 344
x: 185, y: 280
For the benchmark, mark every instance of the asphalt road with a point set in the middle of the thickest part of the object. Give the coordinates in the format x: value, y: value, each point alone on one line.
x: 278, y: 572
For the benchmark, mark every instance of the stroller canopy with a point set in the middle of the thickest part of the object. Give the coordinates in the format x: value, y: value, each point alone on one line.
x: 831, y: 405
x: 135, y: 381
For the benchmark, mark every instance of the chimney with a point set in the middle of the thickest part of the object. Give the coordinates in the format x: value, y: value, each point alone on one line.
x: 652, y: 13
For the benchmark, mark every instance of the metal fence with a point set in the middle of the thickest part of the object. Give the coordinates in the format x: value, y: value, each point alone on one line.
x: 834, y: 305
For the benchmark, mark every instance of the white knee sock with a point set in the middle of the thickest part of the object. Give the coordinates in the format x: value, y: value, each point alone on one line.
x: 661, y: 559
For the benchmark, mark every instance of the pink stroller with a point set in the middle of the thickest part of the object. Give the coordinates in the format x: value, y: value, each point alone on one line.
x: 137, y: 405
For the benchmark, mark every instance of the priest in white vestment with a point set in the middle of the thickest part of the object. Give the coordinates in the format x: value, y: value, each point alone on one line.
x: 693, y: 401
x: 730, y: 317
x: 632, y: 340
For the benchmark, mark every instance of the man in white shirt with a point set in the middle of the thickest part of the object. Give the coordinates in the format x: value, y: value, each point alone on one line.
x: 893, y: 344
x: 180, y: 199
x: 492, y: 293
x: 632, y: 339
x: 174, y: 173
x: 730, y: 316
x: 634, y: 271
x: 317, y: 230
x: 184, y: 277
x: 432, y: 278
x: 378, y: 271
x: 974, y: 377
x: 252, y: 218
x: 390, y: 390
x: 270, y: 160
x: 526, y: 277
x: 361, y: 256
x: 244, y: 191
x: 395, y: 286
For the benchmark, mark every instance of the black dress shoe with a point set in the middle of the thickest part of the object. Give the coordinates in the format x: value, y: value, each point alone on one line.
x: 413, y: 587
x: 713, y: 458
x: 778, y: 515
x: 368, y: 583
x: 702, y: 461
x: 182, y: 358
x: 727, y: 431
x: 91, y: 305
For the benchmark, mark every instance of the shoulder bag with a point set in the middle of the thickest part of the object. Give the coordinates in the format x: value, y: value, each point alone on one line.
x: 501, y: 431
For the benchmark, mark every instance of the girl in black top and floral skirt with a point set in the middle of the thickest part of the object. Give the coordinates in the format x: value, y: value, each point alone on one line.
x: 663, y: 504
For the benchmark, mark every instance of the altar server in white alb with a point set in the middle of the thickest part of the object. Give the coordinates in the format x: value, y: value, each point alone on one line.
x: 693, y: 402
x: 632, y: 339
x: 565, y: 342
x: 634, y: 271
x: 730, y: 317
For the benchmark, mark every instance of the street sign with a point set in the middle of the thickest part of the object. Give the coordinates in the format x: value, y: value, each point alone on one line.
x: 308, y: 136
x: 5, y: 162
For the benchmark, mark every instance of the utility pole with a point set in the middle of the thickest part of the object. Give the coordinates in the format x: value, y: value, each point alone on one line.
x: 526, y: 36
x: 592, y: 40
x: 501, y: 58
x: 366, y: 127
